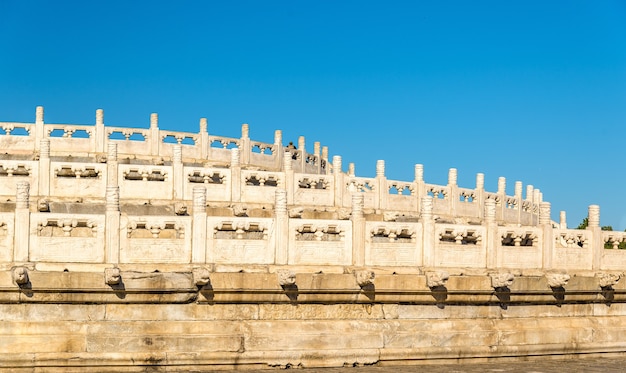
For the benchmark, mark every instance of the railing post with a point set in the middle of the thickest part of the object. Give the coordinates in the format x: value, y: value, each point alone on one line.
x: 244, y: 148
x: 502, y: 197
x: 100, y: 134
x: 235, y: 175
x: 112, y: 165
x: 318, y: 160
x: 199, y: 238
x: 281, y: 251
x: 358, y: 230
x: 338, y: 184
x: 290, y: 185
x: 22, y: 223
x: 302, y: 149
x: 112, y: 225
x: 491, y: 228
x: 178, y: 170
x: 324, y: 160
x: 44, y: 168
x: 454, y: 191
x: 40, y: 133
x: 548, y: 236
x: 204, y: 138
x: 597, y: 243
x: 428, y: 232
x: 419, y: 185
x: 518, y: 200
x: 155, y: 136
x: 383, y: 191
x: 562, y: 220
x: 480, y: 195
x: 279, y: 152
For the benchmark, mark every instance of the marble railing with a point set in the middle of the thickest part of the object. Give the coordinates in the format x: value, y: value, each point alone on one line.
x: 196, y: 236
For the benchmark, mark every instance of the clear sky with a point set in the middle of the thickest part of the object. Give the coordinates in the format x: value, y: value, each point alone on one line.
x: 530, y: 90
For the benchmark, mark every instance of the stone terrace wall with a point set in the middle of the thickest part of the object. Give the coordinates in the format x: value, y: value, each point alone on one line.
x: 142, y: 250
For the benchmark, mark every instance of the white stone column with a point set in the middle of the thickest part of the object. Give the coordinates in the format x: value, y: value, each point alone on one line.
x: 428, y: 227
x: 562, y: 220
x: 480, y: 194
x: 204, y: 138
x: 493, y: 259
x: 324, y: 160
x: 420, y: 188
x: 454, y: 191
x: 316, y: 153
x: 112, y: 165
x: 178, y: 170
x: 358, y: 230
x: 383, y: 190
x: 502, y: 194
x: 548, y: 237
x: 351, y: 171
x: 235, y: 174
x: 339, y: 181
x: 199, y: 226
x: 597, y: 243
x: 302, y: 149
x: 100, y: 134
x: 112, y: 225
x: 290, y: 184
x: 244, y: 147
x: 40, y: 133
x: 518, y: 197
x: 281, y: 251
x: 44, y: 168
x: 155, y: 136
x: 279, y: 151
x: 21, y: 237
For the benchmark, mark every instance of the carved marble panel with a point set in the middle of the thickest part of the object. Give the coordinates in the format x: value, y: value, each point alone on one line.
x: 67, y: 238
x: 320, y: 242
x: 393, y: 244
x: 6, y: 237
x: 240, y: 240
x: 155, y: 239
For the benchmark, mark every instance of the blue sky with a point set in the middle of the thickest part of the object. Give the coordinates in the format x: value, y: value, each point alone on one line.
x: 530, y: 90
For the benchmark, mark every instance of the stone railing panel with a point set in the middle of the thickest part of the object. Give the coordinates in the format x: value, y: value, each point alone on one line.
x: 219, y: 148
x: 155, y: 239
x: 78, y: 139
x: 130, y: 141
x: 401, y: 196
x: 322, y: 242
x: 12, y: 172
x: 614, y: 255
x: 66, y: 238
x: 217, y: 181
x: 233, y: 240
x: 17, y: 136
x: 393, y: 244
x: 263, y: 155
x: 460, y: 246
x: 314, y: 190
x: 519, y: 247
x: 145, y: 181
x: 190, y: 144
x: 468, y: 204
x: 71, y: 179
x: 260, y: 186
x: 572, y: 249
x: 365, y: 185
x: 6, y: 236
x: 441, y: 198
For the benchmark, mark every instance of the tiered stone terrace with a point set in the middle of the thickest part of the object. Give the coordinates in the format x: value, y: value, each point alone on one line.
x: 119, y: 217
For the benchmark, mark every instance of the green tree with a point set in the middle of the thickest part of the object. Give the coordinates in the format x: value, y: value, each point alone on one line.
x: 608, y: 245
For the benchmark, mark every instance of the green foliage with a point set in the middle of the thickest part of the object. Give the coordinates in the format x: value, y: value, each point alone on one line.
x: 608, y: 245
